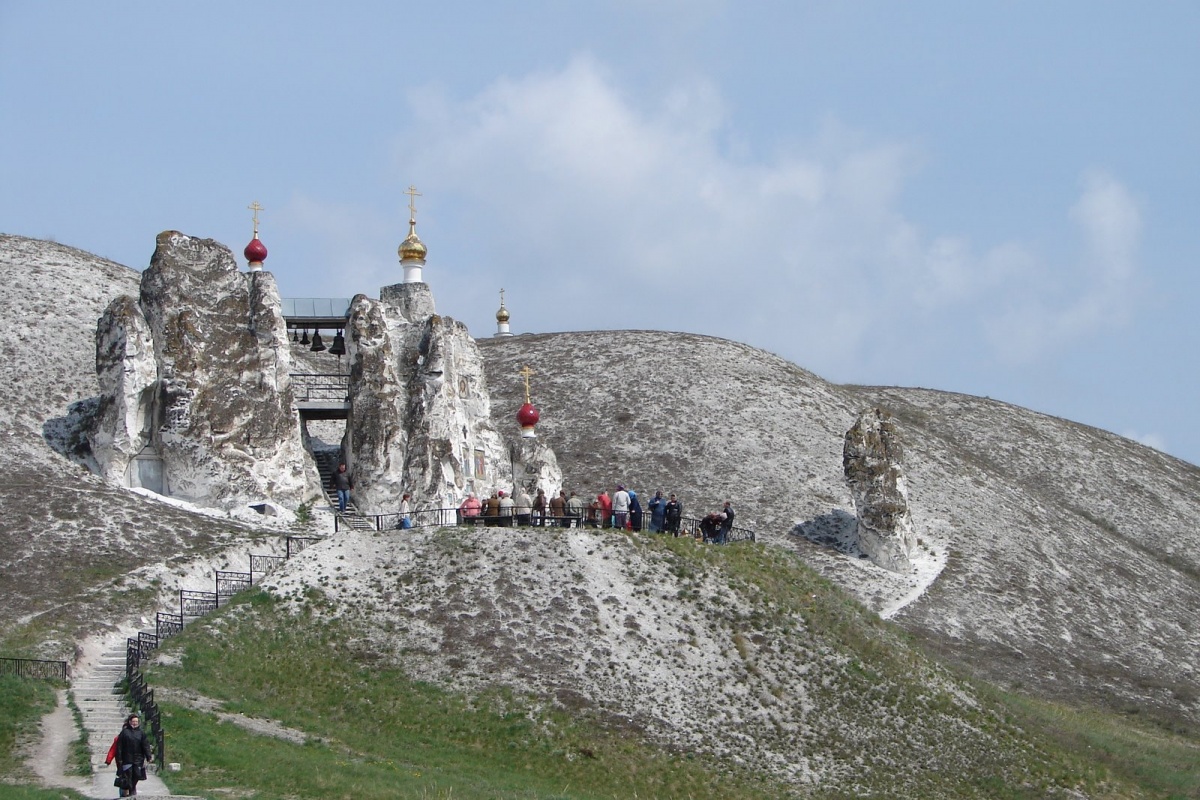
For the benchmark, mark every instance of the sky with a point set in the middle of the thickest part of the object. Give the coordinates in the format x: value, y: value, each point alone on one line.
x: 999, y: 199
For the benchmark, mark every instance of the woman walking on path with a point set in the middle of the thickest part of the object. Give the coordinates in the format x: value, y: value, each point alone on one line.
x: 133, y: 751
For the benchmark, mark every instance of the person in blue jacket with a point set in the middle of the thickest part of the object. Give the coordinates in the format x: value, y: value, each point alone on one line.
x: 657, y: 508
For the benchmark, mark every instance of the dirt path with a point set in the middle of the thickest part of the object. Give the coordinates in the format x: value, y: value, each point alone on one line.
x: 49, y: 760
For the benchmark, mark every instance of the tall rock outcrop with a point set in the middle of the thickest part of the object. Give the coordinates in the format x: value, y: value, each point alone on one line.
x: 420, y: 419
x: 196, y: 398
x: 535, y: 466
x: 871, y: 458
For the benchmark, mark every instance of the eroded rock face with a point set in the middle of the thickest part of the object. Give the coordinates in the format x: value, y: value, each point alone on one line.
x: 196, y: 374
x: 535, y: 466
x: 871, y: 458
x: 128, y: 375
x: 420, y: 419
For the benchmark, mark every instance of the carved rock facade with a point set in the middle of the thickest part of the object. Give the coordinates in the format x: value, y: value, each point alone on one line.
x: 872, y: 457
x: 420, y: 412
x: 196, y: 398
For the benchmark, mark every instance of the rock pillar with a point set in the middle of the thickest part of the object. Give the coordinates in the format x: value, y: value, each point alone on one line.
x: 872, y: 458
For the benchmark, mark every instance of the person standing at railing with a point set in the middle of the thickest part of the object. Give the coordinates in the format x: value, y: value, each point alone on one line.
x: 133, y: 751
x: 558, y: 507
x: 470, y: 508
x: 539, y: 508
x: 606, y: 508
x: 492, y: 510
x: 635, y: 511
x: 405, y: 511
x: 575, y: 509
x: 727, y: 515
x: 523, y: 505
x: 620, y: 507
x: 506, y: 510
x: 672, y: 514
x: 657, y: 506
x: 344, y: 485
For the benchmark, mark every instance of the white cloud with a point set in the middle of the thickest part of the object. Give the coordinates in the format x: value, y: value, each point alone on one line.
x: 1063, y: 308
x: 1155, y: 440
x: 596, y: 212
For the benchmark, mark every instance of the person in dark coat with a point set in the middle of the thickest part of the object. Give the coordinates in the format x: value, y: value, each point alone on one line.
x: 539, y: 508
x: 343, y: 484
x: 672, y: 514
x: 558, y: 508
x: 635, y: 511
x: 133, y: 751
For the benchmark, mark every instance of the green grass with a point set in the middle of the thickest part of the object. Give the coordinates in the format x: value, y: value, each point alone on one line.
x: 1162, y: 763
x: 23, y: 702
x: 376, y: 733
x: 8, y: 792
x: 79, y: 760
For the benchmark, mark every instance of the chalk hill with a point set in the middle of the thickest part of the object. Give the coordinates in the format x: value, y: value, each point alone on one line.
x: 1064, y: 558
x: 1052, y: 556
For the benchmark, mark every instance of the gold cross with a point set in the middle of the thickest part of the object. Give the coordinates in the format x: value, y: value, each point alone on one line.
x: 525, y: 372
x: 502, y: 298
x: 413, y: 194
x: 255, y: 207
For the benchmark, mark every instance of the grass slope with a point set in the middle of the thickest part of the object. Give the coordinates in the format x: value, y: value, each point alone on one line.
x: 889, y: 723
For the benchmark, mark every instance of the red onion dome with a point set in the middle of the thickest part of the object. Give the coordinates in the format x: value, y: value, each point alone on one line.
x: 528, y: 416
x: 256, y: 251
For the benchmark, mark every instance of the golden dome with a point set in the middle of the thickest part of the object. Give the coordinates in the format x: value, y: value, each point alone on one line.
x: 502, y: 314
x: 412, y: 247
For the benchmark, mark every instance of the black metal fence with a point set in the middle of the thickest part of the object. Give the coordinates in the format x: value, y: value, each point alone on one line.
x: 450, y: 517
x: 295, y: 544
x: 193, y: 603
x: 136, y: 650
x: 230, y: 583
x: 261, y: 565
x: 35, y: 668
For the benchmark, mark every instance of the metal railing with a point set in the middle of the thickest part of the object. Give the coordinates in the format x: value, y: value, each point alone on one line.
x: 296, y: 544
x: 230, y: 583
x: 142, y: 695
x: 196, y: 604
x: 191, y: 604
x: 166, y: 625
x: 261, y: 565
x: 311, y: 387
x: 298, y: 310
x: 451, y: 517
x: 35, y: 668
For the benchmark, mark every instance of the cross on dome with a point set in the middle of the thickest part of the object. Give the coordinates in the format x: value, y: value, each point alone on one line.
x: 256, y: 251
x: 412, y: 250
x: 525, y: 372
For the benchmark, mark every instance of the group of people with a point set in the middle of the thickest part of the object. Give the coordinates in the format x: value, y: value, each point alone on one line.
x: 622, y: 510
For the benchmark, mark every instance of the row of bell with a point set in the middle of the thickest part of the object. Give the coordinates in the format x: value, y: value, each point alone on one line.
x: 338, y: 348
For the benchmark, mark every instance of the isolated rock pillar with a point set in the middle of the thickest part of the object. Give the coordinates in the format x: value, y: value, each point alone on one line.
x: 872, y: 458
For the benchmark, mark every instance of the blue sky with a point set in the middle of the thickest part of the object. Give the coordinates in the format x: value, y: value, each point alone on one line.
x: 993, y: 198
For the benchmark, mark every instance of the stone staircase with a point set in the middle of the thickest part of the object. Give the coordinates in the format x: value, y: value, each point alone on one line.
x: 104, y: 710
x: 327, y: 464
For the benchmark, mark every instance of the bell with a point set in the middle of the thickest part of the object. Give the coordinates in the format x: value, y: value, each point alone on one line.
x: 338, y: 348
x: 304, y: 339
x: 317, y: 345
x: 295, y: 336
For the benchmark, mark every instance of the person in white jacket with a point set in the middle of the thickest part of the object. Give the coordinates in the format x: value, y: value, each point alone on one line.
x: 620, y: 503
